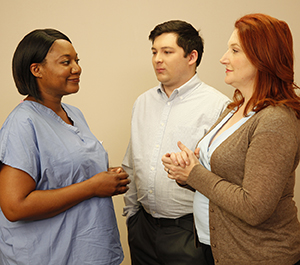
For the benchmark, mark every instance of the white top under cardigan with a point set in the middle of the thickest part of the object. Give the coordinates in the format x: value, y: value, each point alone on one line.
x: 201, y: 203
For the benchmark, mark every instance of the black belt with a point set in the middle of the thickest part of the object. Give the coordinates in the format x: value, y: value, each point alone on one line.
x: 186, y: 221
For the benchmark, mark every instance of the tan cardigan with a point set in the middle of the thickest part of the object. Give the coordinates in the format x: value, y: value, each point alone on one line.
x: 252, y: 215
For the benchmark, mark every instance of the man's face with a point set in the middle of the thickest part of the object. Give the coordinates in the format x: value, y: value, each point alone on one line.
x: 172, y: 69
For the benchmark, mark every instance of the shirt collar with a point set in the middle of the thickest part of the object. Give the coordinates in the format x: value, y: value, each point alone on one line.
x: 184, y: 89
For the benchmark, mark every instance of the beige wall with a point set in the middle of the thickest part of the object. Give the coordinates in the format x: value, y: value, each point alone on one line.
x: 111, y: 38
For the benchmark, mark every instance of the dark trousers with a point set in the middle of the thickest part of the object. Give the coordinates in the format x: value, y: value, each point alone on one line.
x: 207, y: 253
x: 160, y: 241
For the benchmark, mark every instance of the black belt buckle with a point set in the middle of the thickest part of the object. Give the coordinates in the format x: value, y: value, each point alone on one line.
x: 164, y: 222
x: 185, y: 221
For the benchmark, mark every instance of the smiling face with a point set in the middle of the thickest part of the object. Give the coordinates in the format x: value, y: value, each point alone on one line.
x: 240, y: 72
x: 59, y: 74
x: 172, y: 69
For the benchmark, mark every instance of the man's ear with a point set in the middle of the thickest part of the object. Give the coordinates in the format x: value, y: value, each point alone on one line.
x: 36, y: 70
x: 193, y: 56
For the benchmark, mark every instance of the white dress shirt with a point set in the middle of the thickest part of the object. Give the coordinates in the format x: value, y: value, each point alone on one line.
x: 158, y: 123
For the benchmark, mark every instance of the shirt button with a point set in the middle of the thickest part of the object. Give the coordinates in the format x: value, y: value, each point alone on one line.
x: 150, y: 191
x: 152, y: 168
x: 169, y: 103
x: 162, y: 124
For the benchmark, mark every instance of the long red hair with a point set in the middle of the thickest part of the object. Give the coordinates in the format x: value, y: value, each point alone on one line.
x: 268, y: 44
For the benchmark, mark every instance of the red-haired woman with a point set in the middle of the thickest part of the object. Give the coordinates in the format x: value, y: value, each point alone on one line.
x: 243, y: 170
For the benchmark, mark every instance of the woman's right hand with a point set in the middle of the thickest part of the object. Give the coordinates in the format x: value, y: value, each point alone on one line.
x: 179, y: 165
x: 110, y: 183
x: 19, y: 199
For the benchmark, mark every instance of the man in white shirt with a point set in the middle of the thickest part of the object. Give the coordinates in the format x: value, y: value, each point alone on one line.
x: 182, y: 107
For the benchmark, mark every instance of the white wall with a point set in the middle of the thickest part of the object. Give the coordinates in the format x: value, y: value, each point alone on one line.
x: 111, y: 38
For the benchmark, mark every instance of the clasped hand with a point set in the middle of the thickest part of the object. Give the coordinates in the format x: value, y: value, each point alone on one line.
x: 179, y: 165
x: 112, y: 182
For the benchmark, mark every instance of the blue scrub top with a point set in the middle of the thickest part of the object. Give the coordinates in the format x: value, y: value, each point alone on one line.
x: 55, y: 154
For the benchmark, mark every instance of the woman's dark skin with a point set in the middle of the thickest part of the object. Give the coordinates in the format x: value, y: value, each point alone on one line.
x: 19, y: 200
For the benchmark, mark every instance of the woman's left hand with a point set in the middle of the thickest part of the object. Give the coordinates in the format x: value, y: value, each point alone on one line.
x: 179, y: 165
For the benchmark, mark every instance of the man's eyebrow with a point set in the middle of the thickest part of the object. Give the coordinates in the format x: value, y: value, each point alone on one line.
x: 163, y: 48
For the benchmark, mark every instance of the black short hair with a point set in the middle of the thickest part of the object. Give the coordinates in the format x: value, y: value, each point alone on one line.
x: 188, y: 37
x: 33, y: 48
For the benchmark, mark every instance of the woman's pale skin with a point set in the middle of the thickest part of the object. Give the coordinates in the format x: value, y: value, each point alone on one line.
x: 240, y: 73
x: 19, y: 200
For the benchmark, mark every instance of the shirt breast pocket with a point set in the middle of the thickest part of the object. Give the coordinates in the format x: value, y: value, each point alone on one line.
x: 188, y: 135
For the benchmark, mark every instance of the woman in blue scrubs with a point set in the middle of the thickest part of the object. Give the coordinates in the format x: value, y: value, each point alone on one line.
x: 55, y: 184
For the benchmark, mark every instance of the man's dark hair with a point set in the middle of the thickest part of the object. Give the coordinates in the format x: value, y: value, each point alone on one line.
x: 33, y: 48
x: 188, y: 37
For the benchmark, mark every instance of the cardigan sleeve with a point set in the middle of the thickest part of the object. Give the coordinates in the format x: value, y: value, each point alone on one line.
x: 269, y: 160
